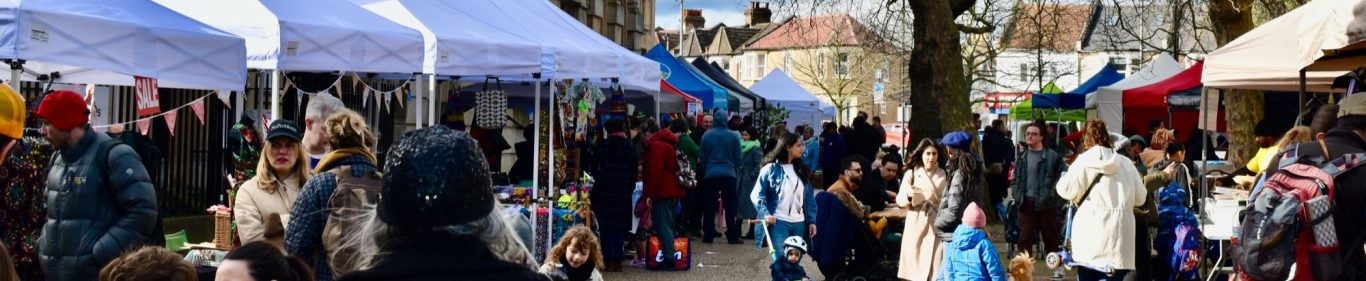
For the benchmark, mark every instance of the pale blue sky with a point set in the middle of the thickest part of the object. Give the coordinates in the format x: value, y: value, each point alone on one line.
x: 731, y: 12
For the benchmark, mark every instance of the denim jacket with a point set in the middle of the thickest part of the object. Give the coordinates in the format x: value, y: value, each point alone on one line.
x: 766, y: 194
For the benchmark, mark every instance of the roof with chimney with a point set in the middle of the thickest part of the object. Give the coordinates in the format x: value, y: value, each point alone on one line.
x: 840, y: 29
x: 1049, y: 26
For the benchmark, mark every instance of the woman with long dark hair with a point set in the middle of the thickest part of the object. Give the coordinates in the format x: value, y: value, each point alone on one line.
x: 921, y: 188
x: 780, y: 196
x: 966, y: 185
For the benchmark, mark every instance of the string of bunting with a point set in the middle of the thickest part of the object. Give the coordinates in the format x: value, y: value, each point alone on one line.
x: 144, y: 123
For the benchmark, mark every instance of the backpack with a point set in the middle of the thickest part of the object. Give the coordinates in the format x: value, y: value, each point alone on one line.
x: 157, y: 237
x: 354, y: 196
x: 1289, y: 220
x: 686, y: 176
x: 1178, y: 235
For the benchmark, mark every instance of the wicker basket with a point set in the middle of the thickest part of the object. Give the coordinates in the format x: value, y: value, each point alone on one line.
x: 222, y: 230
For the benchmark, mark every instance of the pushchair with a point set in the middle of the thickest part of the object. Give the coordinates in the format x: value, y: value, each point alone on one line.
x: 871, y: 257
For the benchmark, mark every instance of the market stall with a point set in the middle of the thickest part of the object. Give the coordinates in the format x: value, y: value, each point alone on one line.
x: 682, y: 75
x: 716, y: 74
x: 1155, y: 101
x: 96, y: 42
x: 803, y: 107
x: 1107, y: 103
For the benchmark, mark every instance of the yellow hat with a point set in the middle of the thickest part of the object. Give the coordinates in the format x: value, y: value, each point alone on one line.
x: 12, y: 111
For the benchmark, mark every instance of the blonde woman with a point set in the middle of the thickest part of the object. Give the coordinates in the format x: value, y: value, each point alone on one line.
x: 263, y: 203
x: 921, y: 189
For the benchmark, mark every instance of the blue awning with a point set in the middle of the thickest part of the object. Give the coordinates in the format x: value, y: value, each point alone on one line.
x: 687, y: 79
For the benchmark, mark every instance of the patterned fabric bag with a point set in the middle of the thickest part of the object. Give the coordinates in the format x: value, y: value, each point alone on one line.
x: 490, y: 112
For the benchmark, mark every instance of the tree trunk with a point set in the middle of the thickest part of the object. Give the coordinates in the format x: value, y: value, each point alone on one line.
x: 939, y: 92
x: 1231, y: 19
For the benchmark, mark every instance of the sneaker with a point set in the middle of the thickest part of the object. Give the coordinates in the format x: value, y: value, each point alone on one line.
x: 1057, y: 274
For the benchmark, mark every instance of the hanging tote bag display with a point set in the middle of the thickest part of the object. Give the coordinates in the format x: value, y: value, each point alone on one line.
x: 491, y: 107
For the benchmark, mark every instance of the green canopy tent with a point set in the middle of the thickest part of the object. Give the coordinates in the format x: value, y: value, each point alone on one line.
x: 1025, y: 110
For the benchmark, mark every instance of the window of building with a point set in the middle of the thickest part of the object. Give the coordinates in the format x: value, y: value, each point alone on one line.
x: 1024, y: 72
x: 787, y: 63
x: 760, y: 63
x: 842, y: 64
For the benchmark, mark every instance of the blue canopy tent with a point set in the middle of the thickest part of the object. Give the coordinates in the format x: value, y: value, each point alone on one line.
x: 1076, y: 98
x: 688, y: 79
x: 711, y: 70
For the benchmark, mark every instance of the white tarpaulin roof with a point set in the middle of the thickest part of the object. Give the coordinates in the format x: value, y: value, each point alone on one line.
x: 458, y: 42
x: 311, y: 35
x: 1270, y: 56
x: 1108, y: 101
x: 578, y: 52
x: 109, y: 41
x: 779, y: 88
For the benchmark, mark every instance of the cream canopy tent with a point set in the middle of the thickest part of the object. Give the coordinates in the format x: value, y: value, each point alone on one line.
x: 109, y: 41
x: 1108, y: 101
x: 1271, y: 56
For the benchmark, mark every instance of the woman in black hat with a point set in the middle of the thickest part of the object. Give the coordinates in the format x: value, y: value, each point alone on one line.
x: 437, y: 218
x: 263, y: 203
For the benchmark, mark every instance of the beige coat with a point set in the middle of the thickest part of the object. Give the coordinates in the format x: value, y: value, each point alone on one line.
x: 921, y: 250
x: 254, y: 205
x: 1103, y: 228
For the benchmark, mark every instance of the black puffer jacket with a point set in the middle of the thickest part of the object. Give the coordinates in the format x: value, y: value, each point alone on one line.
x: 93, y: 217
x: 436, y: 257
x: 615, y: 180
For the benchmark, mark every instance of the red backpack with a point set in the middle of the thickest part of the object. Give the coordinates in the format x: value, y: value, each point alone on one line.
x: 1289, y: 221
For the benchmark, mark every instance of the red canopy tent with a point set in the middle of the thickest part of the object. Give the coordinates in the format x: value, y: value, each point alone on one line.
x: 1148, y: 102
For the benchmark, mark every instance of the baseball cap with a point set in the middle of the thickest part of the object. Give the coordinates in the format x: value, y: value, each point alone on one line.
x: 64, y: 109
x: 12, y: 113
x: 284, y: 129
x: 1354, y: 104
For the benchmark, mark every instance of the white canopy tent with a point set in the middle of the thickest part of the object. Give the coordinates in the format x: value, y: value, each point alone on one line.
x: 1271, y: 56
x: 458, y: 42
x: 568, y: 36
x: 310, y: 35
x: 109, y: 41
x: 1108, y: 101
x: 805, y: 108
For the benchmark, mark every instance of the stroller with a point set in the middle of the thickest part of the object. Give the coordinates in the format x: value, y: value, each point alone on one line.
x: 871, y: 257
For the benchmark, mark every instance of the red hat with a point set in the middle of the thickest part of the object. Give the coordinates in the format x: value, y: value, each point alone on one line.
x: 63, y: 109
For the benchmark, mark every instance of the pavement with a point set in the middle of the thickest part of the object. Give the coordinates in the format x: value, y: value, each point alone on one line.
x: 723, y: 262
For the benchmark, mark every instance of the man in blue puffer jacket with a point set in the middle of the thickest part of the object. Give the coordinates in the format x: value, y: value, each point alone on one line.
x: 96, y: 208
x: 971, y: 256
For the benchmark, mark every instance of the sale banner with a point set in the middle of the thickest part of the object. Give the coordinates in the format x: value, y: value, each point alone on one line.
x: 147, y: 98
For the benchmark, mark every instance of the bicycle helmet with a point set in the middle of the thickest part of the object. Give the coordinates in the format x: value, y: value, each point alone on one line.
x: 795, y: 242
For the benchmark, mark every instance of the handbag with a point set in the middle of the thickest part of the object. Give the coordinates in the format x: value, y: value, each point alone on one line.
x: 491, y: 107
x: 682, y: 254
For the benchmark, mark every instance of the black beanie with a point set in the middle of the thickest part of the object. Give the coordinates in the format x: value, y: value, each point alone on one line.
x: 1265, y: 129
x: 435, y: 177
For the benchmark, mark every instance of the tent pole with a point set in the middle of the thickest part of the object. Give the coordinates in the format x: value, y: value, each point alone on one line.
x: 431, y: 102
x: 1303, y: 90
x: 417, y: 88
x: 536, y: 139
x: 16, y: 71
x: 1204, y: 155
x: 275, y: 77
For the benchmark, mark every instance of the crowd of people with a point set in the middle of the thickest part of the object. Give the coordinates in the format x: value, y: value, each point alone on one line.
x: 321, y: 206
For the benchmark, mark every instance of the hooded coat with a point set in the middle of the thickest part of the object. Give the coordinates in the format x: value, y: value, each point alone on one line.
x: 615, y: 175
x: 971, y: 256
x: 660, y: 164
x: 1103, y: 228
x: 751, y: 159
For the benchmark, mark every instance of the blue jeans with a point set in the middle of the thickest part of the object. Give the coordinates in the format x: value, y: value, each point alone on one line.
x: 778, y: 232
x: 662, y: 220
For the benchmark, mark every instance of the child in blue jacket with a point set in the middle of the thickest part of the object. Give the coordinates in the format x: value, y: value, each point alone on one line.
x: 788, y: 266
x: 971, y: 256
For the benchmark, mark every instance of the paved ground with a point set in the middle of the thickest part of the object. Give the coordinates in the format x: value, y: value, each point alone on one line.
x: 722, y: 262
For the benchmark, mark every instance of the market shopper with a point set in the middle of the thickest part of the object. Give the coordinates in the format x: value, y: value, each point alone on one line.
x: 615, y: 180
x: 1266, y: 136
x: 660, y: 165
x: 261, y: 261
x: 1348, y: 137
x: 840, y: 215
x: 719, y: 159
x: 921, y: 250
x: 1106, y: 189
x: 813, y: 148
x: 439, y: 219
x: 998, y: 153
x: 575, y: 258
x: 321, y: 216
x: 1325, y: 119
x: 966, y: 184
x: 781, y: 198
x: 116, y: 206
x: 832, y: 150
x: 878, y: 188
x: 22, y: 190
x: 1034, y: 189
x: 149, y: 263
x: 264, y: 202
x: 1158, y: 147
x: 751, y: 160
x: 316, y: 140
x: 692, y: 203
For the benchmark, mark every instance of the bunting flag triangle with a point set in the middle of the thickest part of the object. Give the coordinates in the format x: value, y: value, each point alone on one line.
x: 170, y: 121
x: 365, y: 96
x: 388, y: 98
x: 144, y: 125
x: 223, y: 96
x: 402, y: 98
x: 336, y: 89
x: 355, y: 79
x: 288, y: 85
x: 198, y: 108
x: 299, y: 100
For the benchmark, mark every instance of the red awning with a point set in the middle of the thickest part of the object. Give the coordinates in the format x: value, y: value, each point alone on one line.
x: 1155, y: 95
x: 664, y: 86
